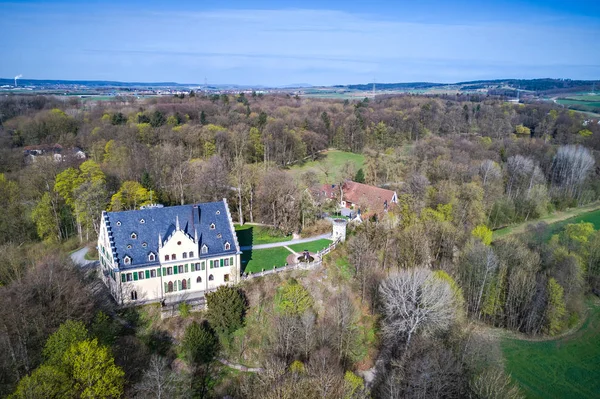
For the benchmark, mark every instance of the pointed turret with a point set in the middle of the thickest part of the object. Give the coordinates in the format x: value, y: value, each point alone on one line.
x: 177, y: 223
x: 196, y: 235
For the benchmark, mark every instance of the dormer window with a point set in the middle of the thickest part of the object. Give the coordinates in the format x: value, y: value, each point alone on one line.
x: 227, y: 246
x: 151, y: 257
x: 144, y: 244
x: 127, y: 260
x: 219, y: 235
x: 142, y: 221
x: 133, y: 236
x: 204, y: 249
x: 118, y: 222
x: 212, y: 226
x: 218, y: 212
x: 128, y: 246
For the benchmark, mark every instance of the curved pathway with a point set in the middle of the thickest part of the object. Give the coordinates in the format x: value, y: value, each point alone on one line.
x: 286, y: 243
x: 79, y: 259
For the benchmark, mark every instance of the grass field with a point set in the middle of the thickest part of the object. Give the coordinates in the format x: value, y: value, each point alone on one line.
x: 567, y: 367
x: 328, y: 167
x: 588, y: 213
x: 255, y: 235
x: 256, y: 260
x: 313, y: 246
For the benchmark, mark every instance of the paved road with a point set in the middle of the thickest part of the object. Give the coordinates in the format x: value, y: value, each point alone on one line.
x: 79, y: 257
x: 283, y: 244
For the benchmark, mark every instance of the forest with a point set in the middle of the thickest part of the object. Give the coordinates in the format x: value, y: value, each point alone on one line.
x: 399, y: 311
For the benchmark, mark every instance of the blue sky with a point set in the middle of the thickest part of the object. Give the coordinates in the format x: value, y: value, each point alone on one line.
x: 316, y: 42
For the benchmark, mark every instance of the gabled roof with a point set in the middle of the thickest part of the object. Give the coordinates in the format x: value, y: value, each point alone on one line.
x: 163, y: 222
x: 363, y: 194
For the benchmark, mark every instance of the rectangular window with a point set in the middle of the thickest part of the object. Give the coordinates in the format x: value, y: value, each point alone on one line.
x: 180, y: 269
x: 197, y: 266
x: 153, y: 273
x: 122, y: 277
x: 222, y: 262
x: 226, y: 278
x: 226, y: 262
x: 186, y: 267
x: 169, y: 270
x: 135, y: 276
x: 141, y: 275
x: 147, y: 273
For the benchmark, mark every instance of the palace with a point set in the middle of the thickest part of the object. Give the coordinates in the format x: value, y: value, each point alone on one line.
x: 158, y: 252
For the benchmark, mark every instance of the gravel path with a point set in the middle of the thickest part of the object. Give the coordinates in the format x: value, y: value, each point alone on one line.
x: 78, y: 257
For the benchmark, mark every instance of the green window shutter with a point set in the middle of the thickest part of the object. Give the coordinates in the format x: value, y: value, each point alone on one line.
x: 203, y: 265
x: 189, y: 284
x: 175, y: 270
x: 166, y: 287
x: 122, y: 277
x: 158, y: 272
x: 135, y: 276
x: 164, y: 271
x: 179, y: 284
x: 211, y: 264
x: 186, y: 267
x: 147, y: 273
x: 231, y: 261
x: 222, y: 262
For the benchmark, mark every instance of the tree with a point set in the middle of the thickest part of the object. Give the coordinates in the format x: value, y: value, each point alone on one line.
x: 159, y: 381
x: 555, y: 310
x: 93, y: 370
x: 226, y: 308
x: 483, y: 233
x: 68, y: 334
x: 360, y: 176
x: 570, y: 169
x: 130, y: 196
x: 416, y: 300
x: 494, y: 384
x: 45, y: 382
x: 292, y: 299
x: 199, y: 348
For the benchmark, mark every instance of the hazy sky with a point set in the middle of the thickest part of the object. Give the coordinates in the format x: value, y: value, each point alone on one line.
x: 317, y: 42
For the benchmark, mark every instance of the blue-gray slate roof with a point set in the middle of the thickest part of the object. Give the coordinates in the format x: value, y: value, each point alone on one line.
x: 162, y: 221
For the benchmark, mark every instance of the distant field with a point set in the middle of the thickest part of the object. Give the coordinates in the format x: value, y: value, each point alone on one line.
x: 567, y: 367
x: 328, y: 167
x: 313, y: 246
x: 258, y: 259
x: 588, y: 97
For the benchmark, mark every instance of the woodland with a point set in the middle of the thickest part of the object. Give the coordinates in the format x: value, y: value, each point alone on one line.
x: 400, y: 310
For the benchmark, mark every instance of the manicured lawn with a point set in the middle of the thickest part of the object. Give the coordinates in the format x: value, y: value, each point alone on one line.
x: 558, y: 220
x: 255, y: 235
x: 328, y: 167
x: 312, y: 246
x: 567, y: 367
x: 258, y: 259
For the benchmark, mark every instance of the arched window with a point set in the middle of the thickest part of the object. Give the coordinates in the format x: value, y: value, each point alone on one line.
x: 227, y: 246
x: 199, y: 279
x: 173, y: 257
x: 191, y: 254
x: 184, y: 255
x: 183, y: 284
x: 127, y: 260
x: 204, y: 249
x: 151, y: 257
x: 133, y: 295
x: 166, y: 257
x: 170, y: 287
x: 211, y: 278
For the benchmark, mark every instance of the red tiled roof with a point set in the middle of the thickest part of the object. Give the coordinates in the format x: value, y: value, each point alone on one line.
x: 362, y: 195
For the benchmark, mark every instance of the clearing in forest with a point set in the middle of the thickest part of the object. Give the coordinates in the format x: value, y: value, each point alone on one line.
x: 589, y: 213
x: 329, y: 165
x: 250, y: 234
x: 567, y: 367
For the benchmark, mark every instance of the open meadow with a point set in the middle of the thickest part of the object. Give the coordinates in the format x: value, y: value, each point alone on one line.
x: 328, y: 167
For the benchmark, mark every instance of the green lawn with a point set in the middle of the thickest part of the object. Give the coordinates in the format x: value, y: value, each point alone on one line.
x: 590, y: 217
x: 255, y: 235
x: 328, y: 167
x: 313, y: 246
x: 567, y: 367
x: 258, y: 259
